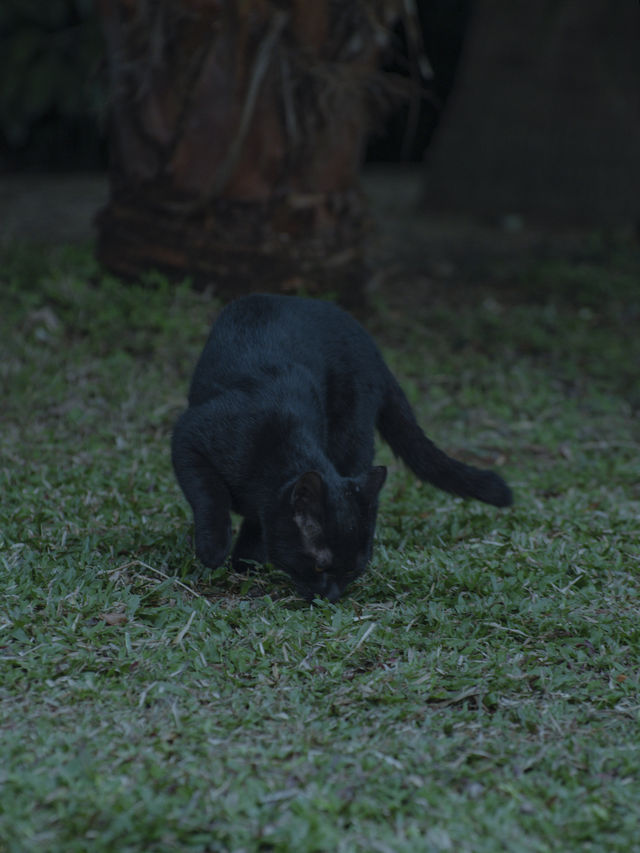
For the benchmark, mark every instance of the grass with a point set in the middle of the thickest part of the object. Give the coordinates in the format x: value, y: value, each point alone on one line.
x: 477, y: 690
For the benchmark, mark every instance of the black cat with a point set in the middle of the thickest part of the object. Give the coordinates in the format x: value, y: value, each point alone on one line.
x: 280, y: 429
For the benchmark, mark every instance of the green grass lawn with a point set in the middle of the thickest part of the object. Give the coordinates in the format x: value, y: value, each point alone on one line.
x: 477, y: 690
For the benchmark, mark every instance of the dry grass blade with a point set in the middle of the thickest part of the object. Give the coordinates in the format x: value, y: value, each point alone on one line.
x: 176, y: 581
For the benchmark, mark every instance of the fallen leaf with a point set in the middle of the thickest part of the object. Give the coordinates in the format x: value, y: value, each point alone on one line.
x: 114, y: 618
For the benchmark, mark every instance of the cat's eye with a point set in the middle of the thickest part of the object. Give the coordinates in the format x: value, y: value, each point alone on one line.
x: 318, y: 569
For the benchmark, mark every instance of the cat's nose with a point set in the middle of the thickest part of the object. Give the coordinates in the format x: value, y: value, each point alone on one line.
x: 328, y: 588
x: 324, y: 588
x: 333, y: 593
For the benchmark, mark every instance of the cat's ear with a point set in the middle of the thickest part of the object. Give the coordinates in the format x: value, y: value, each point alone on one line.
x: 307, y: 502
x: 375, y: 481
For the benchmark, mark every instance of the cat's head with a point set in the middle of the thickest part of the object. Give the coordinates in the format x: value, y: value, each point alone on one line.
x: 322, y: 534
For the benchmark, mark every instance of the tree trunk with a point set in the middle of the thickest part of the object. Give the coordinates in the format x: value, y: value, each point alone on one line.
x: 236, y: 138
x: 543, y: 121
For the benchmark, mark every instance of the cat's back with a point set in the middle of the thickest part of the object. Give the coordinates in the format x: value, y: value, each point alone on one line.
x: 265, y: 321
x: 261, y: 334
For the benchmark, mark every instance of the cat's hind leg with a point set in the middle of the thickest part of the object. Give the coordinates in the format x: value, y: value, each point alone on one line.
x: 205, y: 490
x: 250, y: 546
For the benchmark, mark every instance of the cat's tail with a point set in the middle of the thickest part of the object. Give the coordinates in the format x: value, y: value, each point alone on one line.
x: 398, y: 427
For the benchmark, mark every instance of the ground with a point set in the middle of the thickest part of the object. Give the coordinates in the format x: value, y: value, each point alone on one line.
x: 476, y: 691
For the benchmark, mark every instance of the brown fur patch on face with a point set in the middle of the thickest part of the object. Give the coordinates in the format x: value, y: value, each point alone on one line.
x: 323, y: 557
x: 311, y: 532
x: 309, y: 527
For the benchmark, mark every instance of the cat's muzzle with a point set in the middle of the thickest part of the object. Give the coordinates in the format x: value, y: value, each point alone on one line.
x: 324, y: 587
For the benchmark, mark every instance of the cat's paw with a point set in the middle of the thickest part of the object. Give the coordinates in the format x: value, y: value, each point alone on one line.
x: 210, y: 551
x: 243, y: 564
x: 249, y: 548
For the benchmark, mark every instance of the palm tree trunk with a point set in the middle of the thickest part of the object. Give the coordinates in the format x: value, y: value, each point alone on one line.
x: 236, y: 137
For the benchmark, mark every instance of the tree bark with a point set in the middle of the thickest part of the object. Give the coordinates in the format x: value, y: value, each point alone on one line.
x: 543, y: 121
x: 236, y: 137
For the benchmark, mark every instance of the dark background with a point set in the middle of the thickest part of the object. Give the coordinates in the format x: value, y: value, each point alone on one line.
x: 53, y: 103
x: 522, y: 115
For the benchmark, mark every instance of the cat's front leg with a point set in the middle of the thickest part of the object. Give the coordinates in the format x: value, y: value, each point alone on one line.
x: 206, y: 492
x: 212, y: 538
x: 250, y: 546
x: 211, y: 520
